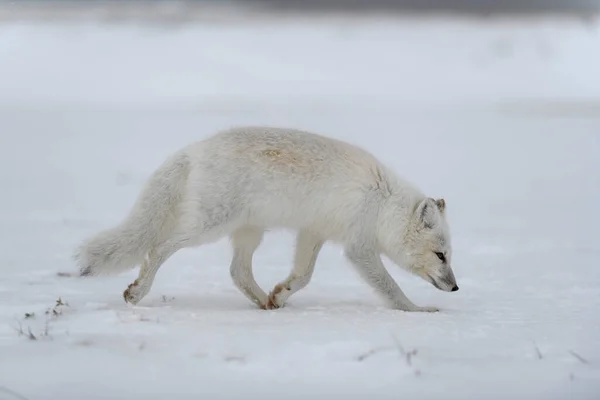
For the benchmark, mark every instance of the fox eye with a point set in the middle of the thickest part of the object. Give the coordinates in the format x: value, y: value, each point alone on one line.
x: 441, y: 256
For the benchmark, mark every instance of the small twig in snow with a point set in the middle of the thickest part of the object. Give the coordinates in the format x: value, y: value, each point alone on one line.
x: 143, y: 318
x: 47, y: 326
x: 57, y: 310
x: 30, y: 334
x: 371, y: 352
x: 20, y: 330
x: 239, y: 359
x: 537, y: 351
x: 577, y: 356
x: 407, y: 355
x: 166, y: 299
x: 13, y: 393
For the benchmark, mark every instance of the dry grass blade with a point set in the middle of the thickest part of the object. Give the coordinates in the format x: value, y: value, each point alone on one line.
x: 364, y: 356
x: 537, y: 351
x: 30, y: 334
x: 12, y: 393
x: 580, y: 358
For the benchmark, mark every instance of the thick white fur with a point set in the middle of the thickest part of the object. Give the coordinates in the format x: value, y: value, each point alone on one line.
x: 242, y: 181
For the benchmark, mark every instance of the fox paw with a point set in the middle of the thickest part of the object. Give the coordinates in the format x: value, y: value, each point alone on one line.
x: 276, y: 297
x: 427, y: 309
x: 134, y: 292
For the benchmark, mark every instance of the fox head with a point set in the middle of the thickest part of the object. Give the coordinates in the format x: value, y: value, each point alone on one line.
x: 423, y: 246
x: 427, y: 247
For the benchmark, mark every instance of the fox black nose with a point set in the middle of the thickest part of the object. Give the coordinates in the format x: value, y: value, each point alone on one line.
x: 455, y: 288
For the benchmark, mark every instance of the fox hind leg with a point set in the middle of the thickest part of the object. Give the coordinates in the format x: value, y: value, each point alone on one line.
x: 245, y: 240
x: 156, y: 257
x: 186, y: 235
x: 308, y: 247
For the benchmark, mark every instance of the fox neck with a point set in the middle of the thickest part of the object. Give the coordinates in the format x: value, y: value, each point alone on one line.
x: 394, y: 219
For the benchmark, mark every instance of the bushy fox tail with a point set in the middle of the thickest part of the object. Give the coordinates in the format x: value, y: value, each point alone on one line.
x: 152, y: 217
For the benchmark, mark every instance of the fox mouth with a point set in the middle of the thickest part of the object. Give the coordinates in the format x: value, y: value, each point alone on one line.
x: 452, y: 287
x: 433, y: 282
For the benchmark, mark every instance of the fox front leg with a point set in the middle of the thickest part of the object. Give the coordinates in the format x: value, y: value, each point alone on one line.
x: 368, y: 264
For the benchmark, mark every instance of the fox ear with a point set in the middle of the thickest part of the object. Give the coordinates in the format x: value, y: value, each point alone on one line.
x: 426, y: 214
x: 441, y: 204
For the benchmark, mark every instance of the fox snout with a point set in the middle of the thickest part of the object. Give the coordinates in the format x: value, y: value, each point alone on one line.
x: 445, y: 282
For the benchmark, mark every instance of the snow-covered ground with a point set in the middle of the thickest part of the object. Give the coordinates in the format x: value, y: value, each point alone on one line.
x: 502, y: 119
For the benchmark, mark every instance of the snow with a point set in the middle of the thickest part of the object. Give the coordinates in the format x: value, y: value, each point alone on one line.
x: 499, y: 117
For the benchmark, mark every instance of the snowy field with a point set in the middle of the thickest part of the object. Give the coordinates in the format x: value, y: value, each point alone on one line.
x: 502, y: 119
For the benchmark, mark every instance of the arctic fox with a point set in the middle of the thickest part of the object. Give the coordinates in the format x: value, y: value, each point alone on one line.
x: 242, y: 181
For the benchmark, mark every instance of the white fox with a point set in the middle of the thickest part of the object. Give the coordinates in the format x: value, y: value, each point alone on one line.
x: 241, y: 181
